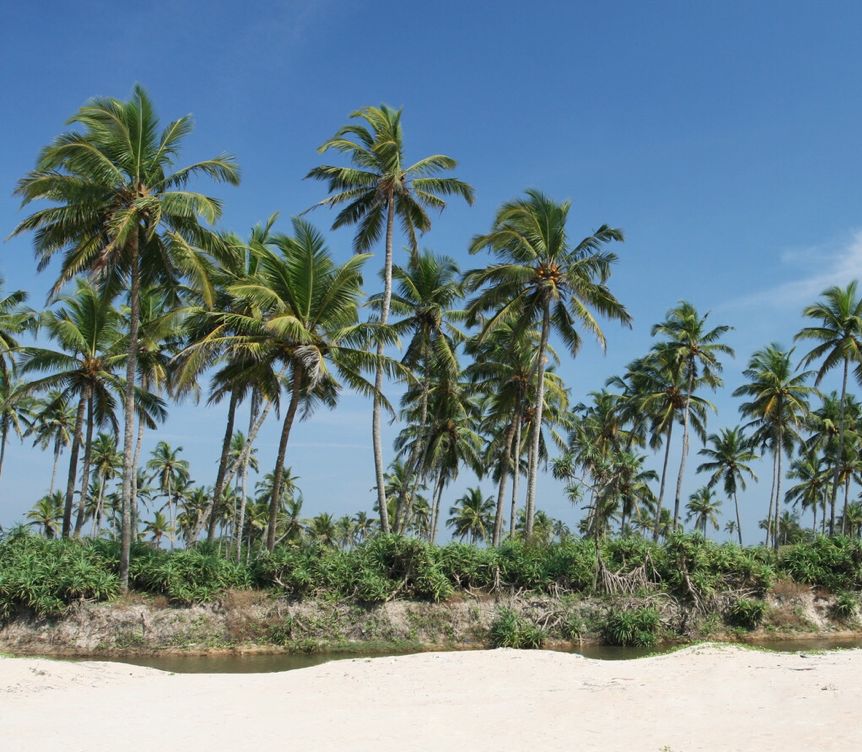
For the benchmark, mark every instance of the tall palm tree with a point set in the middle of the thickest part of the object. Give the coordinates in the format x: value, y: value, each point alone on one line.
x: 171, y: 473
x: 728, y: 455
x: 158, y: 528
x: 543, y: 281
x: 85, y: 370
x: 107, y: 463
x: 240, y: 451
x: 703, y: 508
x: 309, y: 330
x: 838, y: 334
x: 52, y: 426
x: 120, y: 208
x: 472, y: 515
x: 696, y: 349
x: 426, y: 292
x: 777, y: 407
x: 377, y: 189
x: 813, y: 486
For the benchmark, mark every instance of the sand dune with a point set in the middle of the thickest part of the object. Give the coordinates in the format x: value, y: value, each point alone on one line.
x: 701, y: 698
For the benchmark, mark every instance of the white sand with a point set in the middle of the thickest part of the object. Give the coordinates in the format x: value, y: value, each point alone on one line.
x: 702, y: 698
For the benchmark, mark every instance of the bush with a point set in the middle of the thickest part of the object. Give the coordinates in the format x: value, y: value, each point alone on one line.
x: 466, y: 566
x: 845, y: 606
x: 632, y: 627
x: 510, y: 630
x: 746, y: 613
x: 833, y: 563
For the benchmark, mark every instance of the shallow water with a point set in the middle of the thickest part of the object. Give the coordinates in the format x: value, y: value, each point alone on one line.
x: 258, y: 663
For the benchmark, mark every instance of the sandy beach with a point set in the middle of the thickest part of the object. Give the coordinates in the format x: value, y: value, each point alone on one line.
x: 701, y: 698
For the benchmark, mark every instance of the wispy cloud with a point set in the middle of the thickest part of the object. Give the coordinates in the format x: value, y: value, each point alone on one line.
x: 813, y: 269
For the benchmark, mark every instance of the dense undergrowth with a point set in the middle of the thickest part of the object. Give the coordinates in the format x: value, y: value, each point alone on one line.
x: 46, y: 576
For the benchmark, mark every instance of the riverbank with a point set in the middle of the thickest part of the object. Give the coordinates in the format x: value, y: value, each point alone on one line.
x: 701, y: 698
x: 257, y: 622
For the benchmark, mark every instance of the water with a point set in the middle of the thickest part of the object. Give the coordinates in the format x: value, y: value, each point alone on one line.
x: 261, y: 663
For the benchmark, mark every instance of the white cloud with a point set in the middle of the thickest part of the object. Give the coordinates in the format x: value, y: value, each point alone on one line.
x: 817, y: 268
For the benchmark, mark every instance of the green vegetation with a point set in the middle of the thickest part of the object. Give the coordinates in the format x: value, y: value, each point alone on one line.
x: 510, y: 630
x: 632, y: 627
x: 746, y: 613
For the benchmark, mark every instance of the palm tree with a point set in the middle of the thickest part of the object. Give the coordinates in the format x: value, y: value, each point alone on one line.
x: 813, y: 486
x: 52, y: 425
x: 728, y: 455
x: 703, y: 508
x: 158, y: 528
x: 730, y: 527
x: 16, y: 412
x: 426, y: 291
x: 696, y: 350
x: 322, y: 529
x: 242, y: 452
x: 15, y: 318
x: 84, y: 369
x: 839, y: 338
x: 543, y: 280
x: 378, y: 188
x: 107, y: 463
x: 171, y: 473
x: 121, y: 209
x: 472, y: 515
x: 309, y: 330
x: 777, y: 407
x: 47, y: 513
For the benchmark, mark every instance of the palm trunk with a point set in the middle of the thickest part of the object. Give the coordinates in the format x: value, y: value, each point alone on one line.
x: 129, y: 468
x: 378, y: 374
x: 660, y: 501
x: 738, y: 525
x: 4, y: 432
x: 847, y: 480
x: 682, y: 459
x: 97, y: 517
x: 435, y: 516
x: 516, y: 474
x: 222, y: 466
x: 85, y: 473
x: 139, y: 445
x: 840, y: 458
x: 777, y: 489
x: 252, y: 417
x: 414, y: 465
x: 246, y: 452
x: 771, y: 494
x: 275, y: 500
x: 77, y: 439
x: 58, y: 448
x: 537, y: 424
x: 814, y: 520
x: 501, y: 489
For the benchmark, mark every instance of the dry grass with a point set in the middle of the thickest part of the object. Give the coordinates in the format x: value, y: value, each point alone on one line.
x: 787, y: 589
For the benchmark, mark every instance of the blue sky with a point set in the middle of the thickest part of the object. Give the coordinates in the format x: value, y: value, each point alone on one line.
x: 722, y: 137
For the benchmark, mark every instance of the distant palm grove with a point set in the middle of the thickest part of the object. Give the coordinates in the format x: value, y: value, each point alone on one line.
x: 154, y: 303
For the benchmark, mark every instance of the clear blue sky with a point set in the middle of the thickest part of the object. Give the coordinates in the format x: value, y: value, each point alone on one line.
x: 722, y: 137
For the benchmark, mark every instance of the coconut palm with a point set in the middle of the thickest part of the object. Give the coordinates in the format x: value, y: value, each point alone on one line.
x: 377, y: 189
x: 241, y: 452
x: 52, y: 425
x: 158, y: 528
x: 472, y: 515
x: 777, y: 408
x: 171, y: 473
x: 107, y: 463
x: 15, y: 318
x: 16, y: 411
x: 703, y: 508
x: 120, y: 208
x: 838, y: 334
x: 728, y: 454
x: 47, y: 513
x: 730, y: 528
x: 696, y: 349
x: 544, y: 281
x: 322, y: 529
x: 309, y: 330
x: 85, y: 370
x: 812, y: 489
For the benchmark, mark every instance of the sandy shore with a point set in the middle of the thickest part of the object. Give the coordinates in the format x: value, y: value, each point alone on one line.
x: 701, y: 698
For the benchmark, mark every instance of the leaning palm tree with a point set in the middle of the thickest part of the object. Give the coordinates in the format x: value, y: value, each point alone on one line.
x: 15, y: 318
x: 120, y: 208
x: 16, y: 412
x: 728, y: 456
x: 378, y: 189
x: 696, y: 349
x: 813, y: 483
x: 309, y: 330
x: 838, y: 334
x: 47, y: 513
x: 777, y: 407
x: 703, y: 508
x: 472, y: 515
x: 543, y: 281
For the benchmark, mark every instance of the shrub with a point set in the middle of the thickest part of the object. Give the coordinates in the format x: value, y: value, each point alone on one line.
x: 844, y: 607
x: 510, y: 630
x: 746, y: 613
x: 188, y: 576
x: 833, y: 563
x: 632, y: 627
x: 466, y: 566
